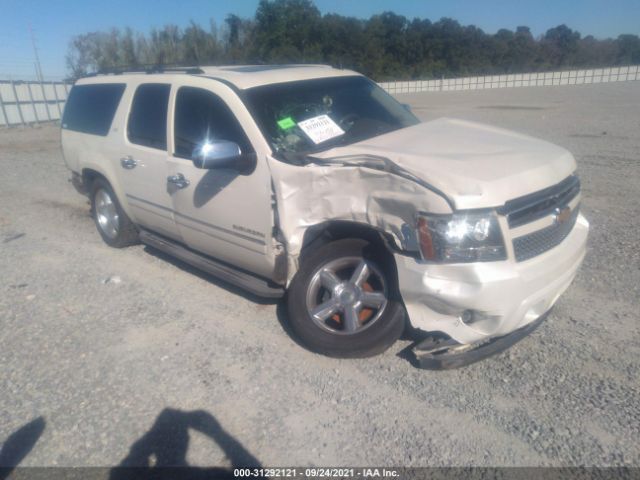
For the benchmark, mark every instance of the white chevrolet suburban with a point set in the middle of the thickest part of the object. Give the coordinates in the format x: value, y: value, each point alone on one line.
x: 314, y: 182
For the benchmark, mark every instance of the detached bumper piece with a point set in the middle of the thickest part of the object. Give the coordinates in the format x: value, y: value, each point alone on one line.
x: 444, y: 354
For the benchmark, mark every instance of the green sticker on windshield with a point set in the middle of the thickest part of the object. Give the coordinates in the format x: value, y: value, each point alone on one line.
x: 286, y: 123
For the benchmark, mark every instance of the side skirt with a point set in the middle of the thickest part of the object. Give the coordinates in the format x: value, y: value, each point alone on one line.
x: 258, y: 286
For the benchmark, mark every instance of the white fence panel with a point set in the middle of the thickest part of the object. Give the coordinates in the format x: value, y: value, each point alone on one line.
x: 34, y: 102
x: 536, y: 79
x: 31, y: 102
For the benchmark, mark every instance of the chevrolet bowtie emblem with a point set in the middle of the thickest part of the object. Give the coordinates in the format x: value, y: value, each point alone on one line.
x: 562, y: 215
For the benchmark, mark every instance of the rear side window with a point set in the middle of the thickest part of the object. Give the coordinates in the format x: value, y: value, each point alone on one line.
x: 202, y: 116
x: 90, y: 108
x: 148, y: 118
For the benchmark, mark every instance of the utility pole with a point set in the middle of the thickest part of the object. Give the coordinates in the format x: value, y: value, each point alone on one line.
x: 35, y: 52
x: 39, y: 74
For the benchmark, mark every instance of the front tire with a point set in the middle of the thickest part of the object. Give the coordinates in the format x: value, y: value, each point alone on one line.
x: 113, y: 224
x: 344, y: 301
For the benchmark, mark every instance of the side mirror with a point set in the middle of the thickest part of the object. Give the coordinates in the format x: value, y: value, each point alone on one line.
x: 216, y: 154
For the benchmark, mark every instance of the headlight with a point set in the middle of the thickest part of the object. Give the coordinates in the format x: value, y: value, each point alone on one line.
x: 462, y: 237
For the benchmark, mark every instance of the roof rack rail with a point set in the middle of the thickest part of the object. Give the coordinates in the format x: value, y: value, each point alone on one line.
x: 148, y: 69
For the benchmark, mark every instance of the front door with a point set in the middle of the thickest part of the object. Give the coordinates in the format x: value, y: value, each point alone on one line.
x: 222, y: 212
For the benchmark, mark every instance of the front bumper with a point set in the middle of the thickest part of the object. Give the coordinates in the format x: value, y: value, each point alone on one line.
x: 501, y: 297
x: 438, y: 354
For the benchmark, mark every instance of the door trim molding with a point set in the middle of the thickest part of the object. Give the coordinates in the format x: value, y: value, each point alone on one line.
x: 215, y: 227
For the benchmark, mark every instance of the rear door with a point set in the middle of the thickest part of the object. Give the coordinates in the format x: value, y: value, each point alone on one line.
x: 221, y: 212
x: 143, y: 162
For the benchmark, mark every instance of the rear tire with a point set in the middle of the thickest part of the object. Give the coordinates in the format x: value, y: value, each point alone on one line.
x: 344, y: 301
x: 113, y: 224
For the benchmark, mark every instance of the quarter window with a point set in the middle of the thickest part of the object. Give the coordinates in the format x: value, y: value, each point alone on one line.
x: 90, y: 108
x: 202, y: 116
x: 148, y: 118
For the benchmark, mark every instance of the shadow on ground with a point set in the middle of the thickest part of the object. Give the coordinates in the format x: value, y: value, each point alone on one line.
x: 281, y: 307
x: 184, y: 266
x: 409, y: 333
x: 161, y: 453
x: 18, y: 445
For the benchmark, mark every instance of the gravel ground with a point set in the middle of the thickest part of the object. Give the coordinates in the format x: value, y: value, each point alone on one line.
x: 109, y: 345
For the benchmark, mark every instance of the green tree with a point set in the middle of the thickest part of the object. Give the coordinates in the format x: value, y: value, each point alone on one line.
x: 628, y: 49
x: 287, y: 31
x: 560, y: 46
x: 386, y: 46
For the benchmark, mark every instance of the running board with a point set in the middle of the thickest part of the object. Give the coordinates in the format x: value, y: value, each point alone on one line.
x: 251, y: 283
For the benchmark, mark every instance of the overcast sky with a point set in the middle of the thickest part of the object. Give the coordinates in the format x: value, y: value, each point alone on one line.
x: 55, y: 22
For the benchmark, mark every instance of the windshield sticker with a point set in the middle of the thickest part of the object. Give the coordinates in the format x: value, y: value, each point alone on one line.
x: 320, y: 129
x: 286, y: 123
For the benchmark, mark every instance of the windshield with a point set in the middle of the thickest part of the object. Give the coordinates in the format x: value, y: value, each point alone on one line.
x: 314, y: 115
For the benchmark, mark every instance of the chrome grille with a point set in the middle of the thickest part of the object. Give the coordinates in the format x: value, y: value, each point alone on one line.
x: 532, y: 207
x: 529, y: 208
x: 540, y: 241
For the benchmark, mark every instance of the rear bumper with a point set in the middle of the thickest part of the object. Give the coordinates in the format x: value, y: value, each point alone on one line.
x: 501, y: 297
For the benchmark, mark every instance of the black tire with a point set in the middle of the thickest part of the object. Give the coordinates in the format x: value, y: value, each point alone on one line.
x: 126, y: 233
x: 370, y: 341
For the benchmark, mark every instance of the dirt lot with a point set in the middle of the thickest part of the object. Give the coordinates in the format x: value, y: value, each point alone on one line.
x: 101, y: 343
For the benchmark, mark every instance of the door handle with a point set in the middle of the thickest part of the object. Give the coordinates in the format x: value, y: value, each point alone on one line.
x: 128, y: 162
x: 178, y: 180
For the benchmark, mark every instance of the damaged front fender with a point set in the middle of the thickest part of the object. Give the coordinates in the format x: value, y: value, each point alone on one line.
x: 312, y: 194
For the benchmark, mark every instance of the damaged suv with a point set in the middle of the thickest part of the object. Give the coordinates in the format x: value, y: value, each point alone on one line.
x: 314, y: 182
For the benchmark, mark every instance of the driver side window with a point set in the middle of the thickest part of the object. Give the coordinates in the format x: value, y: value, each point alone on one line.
x: 202, y: 116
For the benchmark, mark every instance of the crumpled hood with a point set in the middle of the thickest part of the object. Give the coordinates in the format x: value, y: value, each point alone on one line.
x: 475, y: 165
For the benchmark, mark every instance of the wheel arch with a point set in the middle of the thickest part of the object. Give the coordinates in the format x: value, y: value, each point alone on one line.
x: 91, y: 174
x: 325, y: 232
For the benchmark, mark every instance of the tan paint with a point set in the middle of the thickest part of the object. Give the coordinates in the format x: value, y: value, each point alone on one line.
x: 477, y: 166
x: 471, y: 165
x: 310, y: 195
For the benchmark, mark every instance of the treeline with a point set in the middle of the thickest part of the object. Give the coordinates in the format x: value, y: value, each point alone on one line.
x: 384, y: 47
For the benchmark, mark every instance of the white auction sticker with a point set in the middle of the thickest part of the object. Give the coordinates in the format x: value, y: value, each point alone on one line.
x: 320, y: 129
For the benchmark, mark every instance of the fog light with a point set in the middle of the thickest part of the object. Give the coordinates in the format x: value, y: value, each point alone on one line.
x: 481, y: 321
x: 467, y: 317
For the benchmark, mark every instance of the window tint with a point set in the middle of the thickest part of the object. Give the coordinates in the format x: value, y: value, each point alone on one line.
x: 148, y: 118
x: 90, y: 108
x: 201, y: 116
